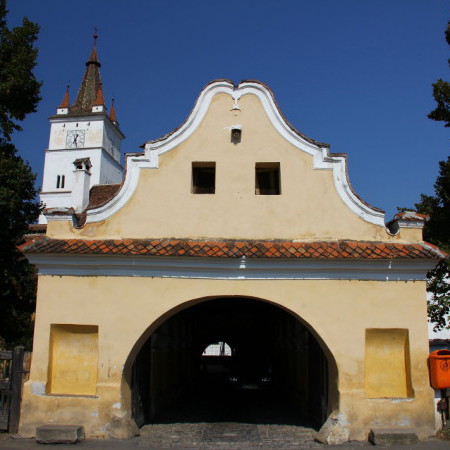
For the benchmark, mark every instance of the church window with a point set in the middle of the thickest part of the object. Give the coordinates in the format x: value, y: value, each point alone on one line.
x: 203, y: 177
x: 60, y: 181
x: 267, y: 178
x: 236, y: 134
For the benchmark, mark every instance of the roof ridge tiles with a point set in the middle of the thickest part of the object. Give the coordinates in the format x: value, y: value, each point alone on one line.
x: 236, y: 248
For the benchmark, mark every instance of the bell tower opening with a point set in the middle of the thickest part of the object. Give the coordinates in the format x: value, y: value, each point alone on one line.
x: 232, y: 360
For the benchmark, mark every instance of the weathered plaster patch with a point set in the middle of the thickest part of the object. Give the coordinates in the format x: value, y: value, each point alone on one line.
x: 400, y: 400
x: 38, y: 388
x: 403, y: 422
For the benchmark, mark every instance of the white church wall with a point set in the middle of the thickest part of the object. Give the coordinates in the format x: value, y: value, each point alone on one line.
x: 91, y: 128
x: 111, y: 171
x: 112, y: 141
x: 61, y: 163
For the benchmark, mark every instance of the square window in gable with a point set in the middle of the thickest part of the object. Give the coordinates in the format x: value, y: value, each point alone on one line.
x: 267, y: 179
x: 203, y: 177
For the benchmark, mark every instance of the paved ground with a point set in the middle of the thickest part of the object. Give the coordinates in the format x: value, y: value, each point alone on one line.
x: 246, y: 420
x: 228, y: 435
x: 223, y: 435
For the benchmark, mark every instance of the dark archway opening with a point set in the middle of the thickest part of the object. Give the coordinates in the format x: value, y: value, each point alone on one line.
x: 275, y: 371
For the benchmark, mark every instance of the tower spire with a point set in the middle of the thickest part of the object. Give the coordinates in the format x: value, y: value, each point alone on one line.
x: 93, y: 57
x: 91, y: 83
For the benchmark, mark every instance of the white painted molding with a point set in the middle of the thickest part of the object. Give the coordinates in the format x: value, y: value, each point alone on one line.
x: 411, y: 223
x: 134, y: 165
x: 229, y: 268
x: 320, y: 152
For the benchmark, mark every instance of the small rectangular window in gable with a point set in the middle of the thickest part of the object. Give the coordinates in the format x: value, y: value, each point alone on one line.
x: 267, y: 178
x: 203, y: 177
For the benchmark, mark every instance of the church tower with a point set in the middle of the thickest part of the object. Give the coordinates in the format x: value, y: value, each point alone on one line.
x: 77, y: 132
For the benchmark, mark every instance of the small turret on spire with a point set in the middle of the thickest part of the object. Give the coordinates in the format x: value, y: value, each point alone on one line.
x: 63, y: 108
x: 112, y: 114
x: 99, y: 103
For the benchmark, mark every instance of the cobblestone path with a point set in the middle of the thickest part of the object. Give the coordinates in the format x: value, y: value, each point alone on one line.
x: 226, y: 435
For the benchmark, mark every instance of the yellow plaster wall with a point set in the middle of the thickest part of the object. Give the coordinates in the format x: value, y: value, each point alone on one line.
x: 73, y: 359
x: 387, y: 363
x: 338, y: 311
x: 309, y: 208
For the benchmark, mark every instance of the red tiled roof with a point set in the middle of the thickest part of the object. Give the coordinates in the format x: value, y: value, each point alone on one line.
x: 37, y: 228
x: 65, y: 101
x: 411, y: 216
x: 99, y: 100
x: 237, y: 249
x: 101, y: 193
x: 112, y: 114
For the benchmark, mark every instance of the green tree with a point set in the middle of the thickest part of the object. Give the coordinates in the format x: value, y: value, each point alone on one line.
x: 441, y: 93
x: 19, y: 96
x: 19, y: 89
x: 437, y: 229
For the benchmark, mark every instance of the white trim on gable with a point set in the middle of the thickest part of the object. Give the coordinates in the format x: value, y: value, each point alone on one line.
x: 134, y: 165
x: 229, y: 268
x: 320, y: 152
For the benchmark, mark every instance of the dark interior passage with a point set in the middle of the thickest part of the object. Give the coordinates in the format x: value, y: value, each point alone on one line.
x: 276, y: 373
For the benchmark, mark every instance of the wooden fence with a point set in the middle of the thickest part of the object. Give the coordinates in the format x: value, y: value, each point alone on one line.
x: 14, y: 370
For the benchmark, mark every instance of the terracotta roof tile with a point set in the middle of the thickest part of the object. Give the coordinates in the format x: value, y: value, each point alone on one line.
x: 411, y: 216
x: 112, y: 113
x: 236, y: 249
x: 65, y: 100
x: 102, y: 193
x: 99, y: 100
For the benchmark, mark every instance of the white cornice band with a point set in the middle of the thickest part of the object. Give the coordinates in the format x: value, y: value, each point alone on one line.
x: 321, y: 157
x: 229, y: 268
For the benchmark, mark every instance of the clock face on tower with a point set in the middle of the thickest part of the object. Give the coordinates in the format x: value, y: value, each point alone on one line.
x: 75, y: 139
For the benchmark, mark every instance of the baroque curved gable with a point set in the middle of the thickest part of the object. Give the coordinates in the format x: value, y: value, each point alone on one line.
x: 322, y: 158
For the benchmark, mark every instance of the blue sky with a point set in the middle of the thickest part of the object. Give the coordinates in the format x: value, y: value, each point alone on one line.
x: 356, y: 74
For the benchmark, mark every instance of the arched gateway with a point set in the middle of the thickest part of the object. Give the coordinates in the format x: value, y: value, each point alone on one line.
x: 276, y: 370
x: 234, y: 229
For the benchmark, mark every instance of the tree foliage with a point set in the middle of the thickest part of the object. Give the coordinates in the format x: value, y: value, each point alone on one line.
x: 441, y: 93
x: 19, y: 89
x: 19, y: 95
x: 437, y: 230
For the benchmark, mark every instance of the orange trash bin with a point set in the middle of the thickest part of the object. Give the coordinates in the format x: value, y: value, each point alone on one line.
x: 439, y: 362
